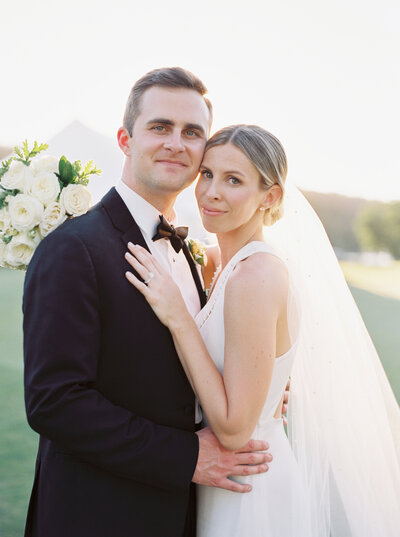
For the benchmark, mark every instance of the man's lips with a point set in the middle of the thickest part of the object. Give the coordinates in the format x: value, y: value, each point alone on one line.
x: 210, y: 211
x: 168, y: 162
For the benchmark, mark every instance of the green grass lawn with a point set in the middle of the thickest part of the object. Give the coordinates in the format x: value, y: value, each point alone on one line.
x: 383, y: 281
x: 18, y: 444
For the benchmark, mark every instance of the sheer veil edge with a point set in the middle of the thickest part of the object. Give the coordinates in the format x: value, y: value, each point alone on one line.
x: 344, y: 420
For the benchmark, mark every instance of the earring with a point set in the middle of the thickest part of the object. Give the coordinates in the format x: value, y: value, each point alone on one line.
x: 262, y: 208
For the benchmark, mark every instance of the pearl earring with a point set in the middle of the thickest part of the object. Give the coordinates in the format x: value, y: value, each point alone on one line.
x: 262, y: 208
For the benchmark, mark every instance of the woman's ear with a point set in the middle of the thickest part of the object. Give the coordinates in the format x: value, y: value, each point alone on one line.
x: 273, y: 195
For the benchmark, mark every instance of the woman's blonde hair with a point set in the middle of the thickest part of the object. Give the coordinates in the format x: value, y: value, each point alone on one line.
x: 264, y: 151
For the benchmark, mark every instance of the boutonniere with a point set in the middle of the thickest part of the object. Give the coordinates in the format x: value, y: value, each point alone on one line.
x: 198, y: 250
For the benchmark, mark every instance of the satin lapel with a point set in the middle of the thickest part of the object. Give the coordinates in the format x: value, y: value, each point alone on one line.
x: 195, y: 274
x: 122, y: 219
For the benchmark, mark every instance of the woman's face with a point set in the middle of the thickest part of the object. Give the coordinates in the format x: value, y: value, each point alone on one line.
x: 229, y: 191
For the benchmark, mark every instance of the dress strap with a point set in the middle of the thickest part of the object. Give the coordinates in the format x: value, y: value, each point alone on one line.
x: 253, y: 247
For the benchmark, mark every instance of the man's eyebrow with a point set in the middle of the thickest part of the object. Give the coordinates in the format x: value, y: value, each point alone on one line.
x: 161, y: 120
x: 188, y: 126
x: 195, y: 127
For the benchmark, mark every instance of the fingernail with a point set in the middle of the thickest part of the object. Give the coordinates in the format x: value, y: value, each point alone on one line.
x: 248, y: 489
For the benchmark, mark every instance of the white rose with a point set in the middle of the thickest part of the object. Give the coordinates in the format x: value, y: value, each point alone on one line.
x: 18, y: 176
x: 53, y: 216
x: 44, y: 163
x: 25, y: 211
x: 5, y: 220
x: 19, y: 251
x: 75, y: 199
x: 44, y: 186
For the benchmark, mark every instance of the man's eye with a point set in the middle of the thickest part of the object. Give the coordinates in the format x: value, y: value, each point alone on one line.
x: 191, y: 133
x: 158, y: 128
x: 234, y: 180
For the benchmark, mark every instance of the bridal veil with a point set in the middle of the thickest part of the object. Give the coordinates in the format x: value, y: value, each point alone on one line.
x: 343, y: 419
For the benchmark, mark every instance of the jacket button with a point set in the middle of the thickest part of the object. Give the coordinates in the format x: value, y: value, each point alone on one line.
x: 189, y: 410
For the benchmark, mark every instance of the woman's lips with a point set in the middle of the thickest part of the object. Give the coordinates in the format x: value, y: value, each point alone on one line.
x: 211, y: 212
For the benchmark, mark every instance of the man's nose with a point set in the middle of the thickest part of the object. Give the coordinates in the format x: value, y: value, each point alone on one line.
x: 174, y: 141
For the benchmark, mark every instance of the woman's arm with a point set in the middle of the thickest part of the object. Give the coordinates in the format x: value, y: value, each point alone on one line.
x: 255, y: 299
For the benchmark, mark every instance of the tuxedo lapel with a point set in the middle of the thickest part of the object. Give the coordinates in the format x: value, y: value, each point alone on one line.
x: 122, y: 219
x: 195, y: 274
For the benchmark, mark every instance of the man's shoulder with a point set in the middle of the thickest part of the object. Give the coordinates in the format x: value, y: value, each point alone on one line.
x: 85, y: 227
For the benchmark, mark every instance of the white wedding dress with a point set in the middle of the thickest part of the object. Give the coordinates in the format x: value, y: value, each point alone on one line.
x: 278, y: 505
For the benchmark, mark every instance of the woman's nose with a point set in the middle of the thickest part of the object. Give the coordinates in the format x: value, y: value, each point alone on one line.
x: 213, y: 191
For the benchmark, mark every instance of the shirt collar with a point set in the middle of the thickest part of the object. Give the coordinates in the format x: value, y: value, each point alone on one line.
x: 145, y: 215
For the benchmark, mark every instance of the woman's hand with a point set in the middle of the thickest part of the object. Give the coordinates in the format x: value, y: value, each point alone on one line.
x: 158, y: 287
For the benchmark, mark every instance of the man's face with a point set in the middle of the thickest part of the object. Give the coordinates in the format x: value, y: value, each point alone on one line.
x: 168, y: 141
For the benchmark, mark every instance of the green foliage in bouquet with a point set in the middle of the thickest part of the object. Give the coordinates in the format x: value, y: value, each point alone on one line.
x: 75, y: 173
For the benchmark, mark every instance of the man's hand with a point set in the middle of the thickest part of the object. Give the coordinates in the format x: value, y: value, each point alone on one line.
x: 215, y: 463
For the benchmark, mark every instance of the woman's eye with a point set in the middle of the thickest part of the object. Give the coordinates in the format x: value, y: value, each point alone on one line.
x: 234, y: 180
x: 206, y: 174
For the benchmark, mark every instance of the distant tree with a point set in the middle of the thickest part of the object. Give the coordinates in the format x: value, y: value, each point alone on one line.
x: 392, y: 212
x: 338, y: 214
x: 378, y: 227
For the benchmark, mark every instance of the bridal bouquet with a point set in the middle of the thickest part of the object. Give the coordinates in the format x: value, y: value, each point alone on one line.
x: 37, y: 194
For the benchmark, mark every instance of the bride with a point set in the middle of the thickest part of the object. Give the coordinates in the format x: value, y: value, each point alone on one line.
x: 277, y: 307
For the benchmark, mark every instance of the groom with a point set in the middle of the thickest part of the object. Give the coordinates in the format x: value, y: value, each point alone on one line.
x: 104, y: 387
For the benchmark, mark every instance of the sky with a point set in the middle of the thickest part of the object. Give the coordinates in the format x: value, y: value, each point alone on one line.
x: 323, y: 76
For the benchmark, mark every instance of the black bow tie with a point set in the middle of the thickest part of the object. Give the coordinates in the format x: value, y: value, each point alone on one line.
x: 176, y: 235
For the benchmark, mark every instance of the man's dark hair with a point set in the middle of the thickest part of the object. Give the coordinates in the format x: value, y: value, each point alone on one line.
x: 168, y: 77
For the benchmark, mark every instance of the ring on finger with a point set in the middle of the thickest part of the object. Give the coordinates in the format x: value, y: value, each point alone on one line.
x: 150, y: 276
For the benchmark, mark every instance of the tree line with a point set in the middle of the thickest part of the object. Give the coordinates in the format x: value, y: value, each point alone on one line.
x: 356, y: 224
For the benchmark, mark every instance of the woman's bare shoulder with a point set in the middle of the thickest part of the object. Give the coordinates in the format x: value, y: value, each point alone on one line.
x: 259, y: 277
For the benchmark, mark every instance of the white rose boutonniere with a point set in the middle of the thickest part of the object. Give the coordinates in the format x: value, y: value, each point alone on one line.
x: 198, y: 251
x: 37, y: 194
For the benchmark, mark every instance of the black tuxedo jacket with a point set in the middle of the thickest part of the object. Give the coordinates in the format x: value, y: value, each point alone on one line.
x: 104, y: 388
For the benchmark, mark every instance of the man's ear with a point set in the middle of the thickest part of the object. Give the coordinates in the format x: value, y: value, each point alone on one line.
x: 123, y: 141
x: 273, y: 195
